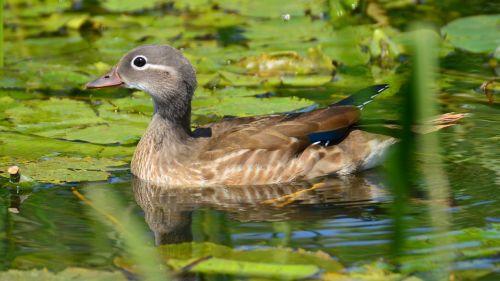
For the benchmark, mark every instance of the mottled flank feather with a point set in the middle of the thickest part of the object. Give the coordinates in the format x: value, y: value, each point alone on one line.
x: 257, y: 150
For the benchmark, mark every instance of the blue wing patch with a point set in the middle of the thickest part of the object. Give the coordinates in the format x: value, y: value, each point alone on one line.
x: 329, y: 137
x: 359, y: 99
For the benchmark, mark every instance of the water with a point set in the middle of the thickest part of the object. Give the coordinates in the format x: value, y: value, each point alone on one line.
x: 352, y: 219
x: 349, y: 219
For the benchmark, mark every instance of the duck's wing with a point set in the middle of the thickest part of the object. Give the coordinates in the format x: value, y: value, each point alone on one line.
x: 291, y: 132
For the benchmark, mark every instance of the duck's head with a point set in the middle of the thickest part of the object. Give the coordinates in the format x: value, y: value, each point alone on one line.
x: 160, y: 70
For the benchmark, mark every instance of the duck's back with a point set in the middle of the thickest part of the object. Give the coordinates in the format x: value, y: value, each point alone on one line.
x: 284, y: 148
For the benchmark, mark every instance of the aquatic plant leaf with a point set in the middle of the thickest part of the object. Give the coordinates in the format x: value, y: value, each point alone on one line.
x: 477, y: 34
x: 129, y: 5
x: 291, y: 63
x: 252, y: 106
x: 269, y: 263
x: 348, y: 45
x: 271, y: 8
x: 57, y: 21
x: 242, y: 268
x: 19, y: 147
x: 76, y: 120
x: 50, y: 160
x: 403, y: 41
x: 68, y: 169
x: 187, y: 251
x: 240, y: 80
x: 110, y: 132
x: 341, y: 8
x: 217, y: 19
x: 37, y: 8
x: 71, y: 273
x: 306, y: 80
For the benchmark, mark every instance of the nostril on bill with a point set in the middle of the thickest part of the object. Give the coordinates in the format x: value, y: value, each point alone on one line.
x: 107, y: 76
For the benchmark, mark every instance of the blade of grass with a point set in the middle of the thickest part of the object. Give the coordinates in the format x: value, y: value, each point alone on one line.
x: 1, y: 32
x: 108, y: 207
x: 436, y: 183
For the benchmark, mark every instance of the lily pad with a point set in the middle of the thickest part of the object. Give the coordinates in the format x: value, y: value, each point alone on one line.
x: 129, y: 5
x: 69, y: 169
x: 291, y: 63
x: 76, y: 120
x: 74, y: 274
x: 54, y: 161
x: 58, y: 169
x: 478, y: 34
x: 252, y: 106
x: 218, y: 259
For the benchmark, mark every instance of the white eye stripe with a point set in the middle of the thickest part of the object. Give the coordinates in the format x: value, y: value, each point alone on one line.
x: 158, y: 67
x: 151, y: 66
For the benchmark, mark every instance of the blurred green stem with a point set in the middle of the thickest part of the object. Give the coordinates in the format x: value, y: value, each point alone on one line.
x: 109, y: 209
x: 1, y: 32
x: 428, y: 147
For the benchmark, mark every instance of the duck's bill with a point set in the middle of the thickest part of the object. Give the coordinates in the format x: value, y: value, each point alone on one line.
x: 111, y: 79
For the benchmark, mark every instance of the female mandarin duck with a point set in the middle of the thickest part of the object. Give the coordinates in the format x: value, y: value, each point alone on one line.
x: 235, y: 151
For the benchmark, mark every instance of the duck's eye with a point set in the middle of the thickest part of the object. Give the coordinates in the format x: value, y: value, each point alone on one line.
x: 139, y: 61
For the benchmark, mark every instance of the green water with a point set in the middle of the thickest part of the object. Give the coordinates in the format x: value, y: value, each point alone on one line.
x: 64, y: 137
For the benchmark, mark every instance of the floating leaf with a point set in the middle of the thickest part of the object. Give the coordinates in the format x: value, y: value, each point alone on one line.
x: 69, y: 169
x: 242, y: 268
x: 74, y: 274
x: 291, y: 63
x: 252, y: 106
x: 269, y: 263
x: 477, y: 34
x: 75, y: 120
x: 270, y: 8
x: 129, y: 5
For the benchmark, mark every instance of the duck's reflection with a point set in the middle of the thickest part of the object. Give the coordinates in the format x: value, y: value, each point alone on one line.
x: 168, y: 210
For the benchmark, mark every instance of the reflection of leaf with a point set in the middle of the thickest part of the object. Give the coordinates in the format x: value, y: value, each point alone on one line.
x: 74, y: 274
x: 475, y: 34
x: 476, y: 243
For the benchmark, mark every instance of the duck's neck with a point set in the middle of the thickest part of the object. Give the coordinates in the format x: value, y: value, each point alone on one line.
x: 173, y: 112
x: 163, y: 143
x: 165, y: 140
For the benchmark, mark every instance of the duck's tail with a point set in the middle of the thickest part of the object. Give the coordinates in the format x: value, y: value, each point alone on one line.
x: 363, y: 97
x: 359, y: 99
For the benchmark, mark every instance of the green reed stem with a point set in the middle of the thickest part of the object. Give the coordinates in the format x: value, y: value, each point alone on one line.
x: 425, y: 51
x: 144, y: 256
x: 1, y: 32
